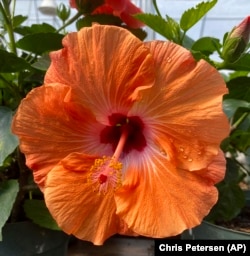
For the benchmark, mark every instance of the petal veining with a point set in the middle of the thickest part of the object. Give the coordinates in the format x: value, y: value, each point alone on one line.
x: 104, y: 65
x: 77, y: 208
x: 185, y: 106
x: 162, y: 201
x: 50, y: 128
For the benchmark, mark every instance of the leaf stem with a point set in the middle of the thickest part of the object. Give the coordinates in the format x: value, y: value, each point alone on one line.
x: 156, y: 8
x: 181, y: 37
x: 239, y: 121
x: 74, y: 18
x: 5, y: 10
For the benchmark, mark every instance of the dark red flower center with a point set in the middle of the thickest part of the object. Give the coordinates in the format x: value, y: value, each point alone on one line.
x: 119, y: 123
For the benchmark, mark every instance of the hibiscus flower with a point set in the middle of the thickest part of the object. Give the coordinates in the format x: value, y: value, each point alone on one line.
x: 124, y: 136
x: 124, y: 9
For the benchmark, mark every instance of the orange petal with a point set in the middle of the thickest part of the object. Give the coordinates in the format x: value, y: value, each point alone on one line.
x: 104, y: 65
x: 161, y: 201
x: 72, y: 202
x: 49, y: 128
x: 185, y: 106
x: 216, y: 170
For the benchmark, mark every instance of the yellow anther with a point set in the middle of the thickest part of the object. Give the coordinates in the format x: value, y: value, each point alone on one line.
x: 105, y: 175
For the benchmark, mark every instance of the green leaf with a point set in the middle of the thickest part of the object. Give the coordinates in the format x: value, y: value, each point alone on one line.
x: 138, y: 32
x: 37, y: 211
x: 198, y: 56
x: 206, y: 45
x: 239, y: 88
x: 233, y: 174
x: 241, y: 140
x: 18, y: 20
x: 190, y: 17
x: 231, y: 201
x: 236, y: 74
x: 9, y: 62
x: 231, y: 197
x: 6, y: 77
x: 187, y: 42
x: 231, y: 105
x: 8, y: 193
x: 241, y: 64
x: 241, y: 119
x: 43, y: 63
x: 103, y: 19
x: 8, y: 141
x: 35, y: 28
x: 41, y: 42
x: 168, y: 28
x: 1, y: 20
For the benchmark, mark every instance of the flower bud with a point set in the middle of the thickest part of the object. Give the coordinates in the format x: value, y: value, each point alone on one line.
x: 236, y: 41
x: 63, y: 12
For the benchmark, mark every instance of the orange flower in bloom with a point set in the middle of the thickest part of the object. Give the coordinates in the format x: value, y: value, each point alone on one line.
x: 124, y: 136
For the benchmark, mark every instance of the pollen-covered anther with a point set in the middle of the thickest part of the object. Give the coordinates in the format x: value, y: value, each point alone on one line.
x: 105, y: 175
